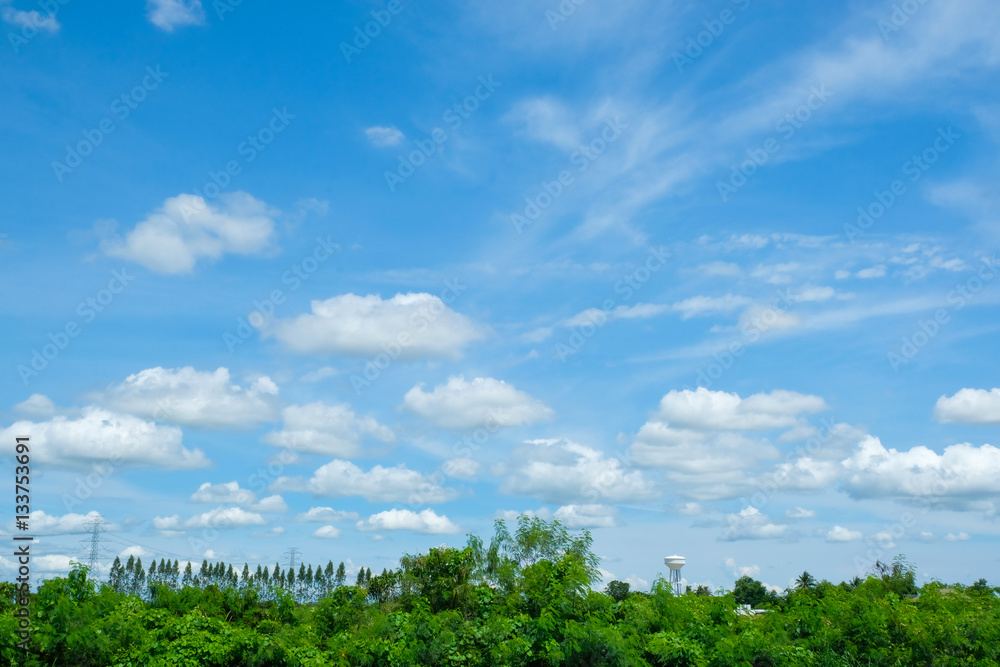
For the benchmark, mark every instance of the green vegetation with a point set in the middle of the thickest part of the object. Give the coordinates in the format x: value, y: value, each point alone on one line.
x: 524, y: 600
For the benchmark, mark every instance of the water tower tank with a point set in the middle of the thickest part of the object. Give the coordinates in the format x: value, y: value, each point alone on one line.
x: 675, y: 563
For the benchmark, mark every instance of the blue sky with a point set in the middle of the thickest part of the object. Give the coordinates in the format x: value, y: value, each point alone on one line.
x: 717, y: 279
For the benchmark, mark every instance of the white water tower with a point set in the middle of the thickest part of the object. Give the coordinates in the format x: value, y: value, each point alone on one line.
x: 675, y: 563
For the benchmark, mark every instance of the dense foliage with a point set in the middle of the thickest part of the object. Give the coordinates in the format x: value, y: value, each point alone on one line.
x: 524, y: 600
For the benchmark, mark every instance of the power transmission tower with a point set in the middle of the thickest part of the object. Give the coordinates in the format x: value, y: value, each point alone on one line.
x: 292, y: 553
x: 96, y: 548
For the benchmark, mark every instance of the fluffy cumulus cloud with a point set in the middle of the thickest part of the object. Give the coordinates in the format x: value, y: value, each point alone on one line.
x: 800, y: 513
x: 587, y: 516
x: 200, y: 399
x: 841, y: 534
x: 407, y: 326
x: 426, y: 521
x: 561, y: 471
x: 231, y: 493
x: 970, y: 406
x: 220, y: 517
x: 460, y: 404
x: 101, y: 435
x: 384, y: 136
x: 187, y: 229
x: 327, y: 532
x: 333, y: 430
x: 751, y: 524
x: 342, y: 478
x: 170, y: 14
x: 706, y: 409
x: 46, y: 524
x: 962, y: 476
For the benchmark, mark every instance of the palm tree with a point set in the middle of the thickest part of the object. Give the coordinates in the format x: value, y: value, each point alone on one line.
x: 805, y: 580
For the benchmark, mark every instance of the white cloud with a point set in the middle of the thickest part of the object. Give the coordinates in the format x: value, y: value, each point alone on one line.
x: 460, y: 404
x: 720, y: 270
x: 461, y: 468
x: 702, y: 306
x: 587, y: 516
x: 229, y: 492
x: 750, y: 524
x: 224, y: 517
x: 426, y: 521
x: 37, y: 405
x: 566, y: 472
x: 711, y: 410
x: 742, y: 570
x: 187, y: 229
x: 800, y: 513
x: 512, y: 515
x: 872, y: 272
x: 188, y: 397
x: 342, y: 478
x: 170, y: 14
x: 547, y: 120
x: 333, y: 430
x: 961, y: 475
x: 326, y: 515
x: 327, y: 532
x: 841, y: 534
x: 959, y: 537
x: 384, y: 136
x: 101, y: 435
x: 30, y: 19
x: 969, y: 406
x: 598, y: 317
x: 320, y: 374
x: 54, y: 563
x: 270, y: 505
x: 46, y: 524
x: 407, y: 326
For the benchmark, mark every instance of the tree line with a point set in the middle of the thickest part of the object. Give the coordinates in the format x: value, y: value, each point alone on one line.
x: 526, y: 599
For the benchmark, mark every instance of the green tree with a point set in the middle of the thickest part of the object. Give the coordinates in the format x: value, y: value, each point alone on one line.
x: 805, y: 581
x: 748, y: 590
x: 617, y: 590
